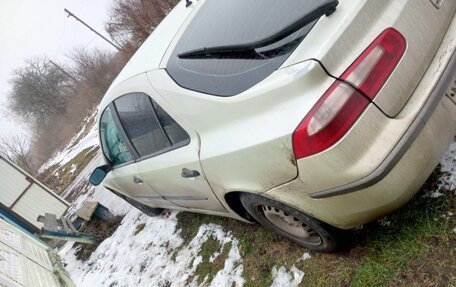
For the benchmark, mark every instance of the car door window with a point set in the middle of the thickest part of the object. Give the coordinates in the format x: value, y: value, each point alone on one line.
x: 176, y: 134
x: 114, y: 147
x: 150, y: 129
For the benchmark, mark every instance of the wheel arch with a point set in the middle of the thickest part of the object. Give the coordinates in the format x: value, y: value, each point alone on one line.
x: 234, y: 203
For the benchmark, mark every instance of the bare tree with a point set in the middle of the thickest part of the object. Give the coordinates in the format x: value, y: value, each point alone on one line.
x: 16, y: 149
x: 94, y: 71
x: 132, y: 21
x: 54, y: 101
x: 39, y: 91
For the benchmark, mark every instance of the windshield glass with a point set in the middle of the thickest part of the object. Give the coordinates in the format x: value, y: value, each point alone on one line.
x: 234, y: 22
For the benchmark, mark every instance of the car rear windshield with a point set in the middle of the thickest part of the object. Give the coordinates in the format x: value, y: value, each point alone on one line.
x: 233, y: 22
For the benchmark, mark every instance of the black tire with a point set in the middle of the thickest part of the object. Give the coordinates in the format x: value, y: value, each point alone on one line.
x: 147, y: 210
x: 293, y: 224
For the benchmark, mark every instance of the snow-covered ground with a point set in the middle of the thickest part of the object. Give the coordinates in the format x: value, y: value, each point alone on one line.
x: 448, y: 167
x: 147, y: 259
x: 156, y: 256
x: 76, y: 145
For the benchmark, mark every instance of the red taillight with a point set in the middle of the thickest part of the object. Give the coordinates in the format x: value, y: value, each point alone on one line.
x: 341, y: 105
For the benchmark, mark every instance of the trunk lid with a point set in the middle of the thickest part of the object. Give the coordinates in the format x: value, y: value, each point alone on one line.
x: 356, y: 24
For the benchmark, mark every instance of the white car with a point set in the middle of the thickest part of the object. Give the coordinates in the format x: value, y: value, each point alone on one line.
x: 310, y: 117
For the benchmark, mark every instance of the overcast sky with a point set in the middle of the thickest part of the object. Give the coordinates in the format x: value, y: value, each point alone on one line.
x: 40, y: 28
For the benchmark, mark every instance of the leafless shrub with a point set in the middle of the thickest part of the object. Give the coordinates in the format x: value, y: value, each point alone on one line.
x: 16, y: 149
x: 94, y: 72
x: 132, y: 21
x: 54, y: 101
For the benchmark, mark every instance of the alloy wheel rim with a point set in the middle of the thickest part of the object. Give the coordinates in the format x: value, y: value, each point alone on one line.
x: 290, y: 224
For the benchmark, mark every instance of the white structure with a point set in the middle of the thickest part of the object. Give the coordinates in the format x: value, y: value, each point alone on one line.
x: 23, y: 198
x: 27, y: 262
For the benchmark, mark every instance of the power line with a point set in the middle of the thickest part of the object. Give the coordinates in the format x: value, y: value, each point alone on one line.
x: 91, y: 29
x: 62, y: 70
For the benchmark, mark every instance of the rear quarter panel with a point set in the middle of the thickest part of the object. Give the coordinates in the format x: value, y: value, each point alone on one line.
x: 246, y: 139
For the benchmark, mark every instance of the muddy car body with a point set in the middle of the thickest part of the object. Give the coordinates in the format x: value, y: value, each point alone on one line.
x: 310, y: 130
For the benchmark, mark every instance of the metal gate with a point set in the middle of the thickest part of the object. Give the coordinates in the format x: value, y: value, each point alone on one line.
x: 24, y: 198
x: 24, y: 261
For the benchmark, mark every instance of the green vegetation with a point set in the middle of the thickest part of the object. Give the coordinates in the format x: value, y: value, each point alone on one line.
x: 68, y: 172
x: 139, y: 228
x: 413, y: 247
x: 260, y: 248
x: 207, y: 269
x: 77, y: 164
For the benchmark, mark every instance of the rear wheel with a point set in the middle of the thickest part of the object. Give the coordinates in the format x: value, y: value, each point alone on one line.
x: 292, y: 224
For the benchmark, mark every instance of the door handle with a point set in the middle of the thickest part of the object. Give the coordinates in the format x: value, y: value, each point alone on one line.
x: 187, y: 173
x: 137, y: 180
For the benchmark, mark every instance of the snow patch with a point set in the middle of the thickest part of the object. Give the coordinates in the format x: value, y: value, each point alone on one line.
x: 153, y: 257
x: 448, y: 167
x: 447, y: 215
x: 231, y: 274
x: 305, y: 256
x: 213, y: 257
x: 435, y: 194
x: 384, y: 222
x: 282, y: 278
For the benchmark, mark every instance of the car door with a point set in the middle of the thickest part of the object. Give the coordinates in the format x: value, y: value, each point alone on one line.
x: 124, y: 178
x: 167, y: 153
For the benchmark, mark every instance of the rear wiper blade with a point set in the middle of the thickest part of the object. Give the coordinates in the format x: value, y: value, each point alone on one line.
x: 327, y: 7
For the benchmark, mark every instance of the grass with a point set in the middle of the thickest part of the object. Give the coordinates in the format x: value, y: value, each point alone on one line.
x: 260, y: 248
x: 417, y: 248
x: 207, y: 270
x: 79, y: 162
x: 139, y: 228
x: 66, y: 176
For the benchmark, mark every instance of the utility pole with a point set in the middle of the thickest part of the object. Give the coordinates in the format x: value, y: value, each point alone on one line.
x: 91, y: 29
x: 62, y: 70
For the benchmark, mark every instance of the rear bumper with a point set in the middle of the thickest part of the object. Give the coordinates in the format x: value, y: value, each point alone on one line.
x: 381, y: 175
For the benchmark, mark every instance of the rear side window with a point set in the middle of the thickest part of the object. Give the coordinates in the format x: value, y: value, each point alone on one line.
x: 150, y: 129
x: 175, y: 133
x: 113, y: 144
